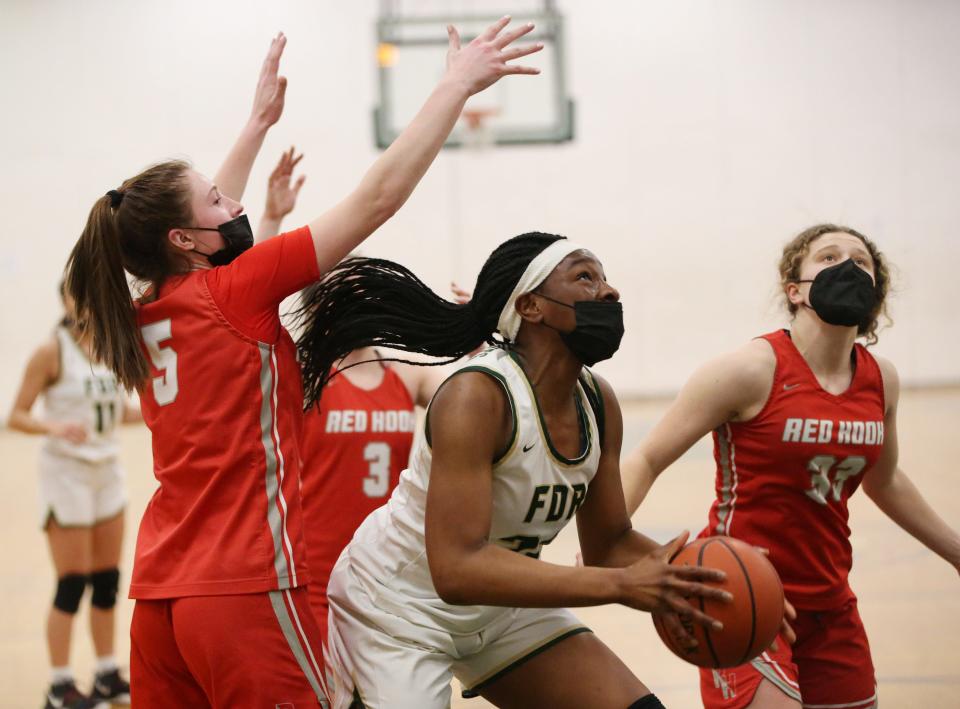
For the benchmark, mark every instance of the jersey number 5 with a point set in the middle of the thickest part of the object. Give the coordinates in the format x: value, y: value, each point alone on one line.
x: 820, y: 468
x: 164, y: 359
x: 377, y: 483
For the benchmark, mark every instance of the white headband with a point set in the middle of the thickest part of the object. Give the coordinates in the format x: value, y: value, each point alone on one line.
x: 536, y: 273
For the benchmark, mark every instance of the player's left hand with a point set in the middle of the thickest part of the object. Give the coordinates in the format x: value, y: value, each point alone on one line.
x: 484, y: 60
x: 281, y: 195
x: 271, y: 88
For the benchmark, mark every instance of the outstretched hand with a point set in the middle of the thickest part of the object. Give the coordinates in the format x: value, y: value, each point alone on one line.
x: 281, y: 195
x: 653, y: 584
x: 484, y: 60
x: 271, y: 88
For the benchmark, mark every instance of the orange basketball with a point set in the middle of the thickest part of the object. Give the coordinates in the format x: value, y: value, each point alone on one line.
x: 750, y: 621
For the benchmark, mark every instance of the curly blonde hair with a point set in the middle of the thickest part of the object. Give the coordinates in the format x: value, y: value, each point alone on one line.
x: 797, y: 249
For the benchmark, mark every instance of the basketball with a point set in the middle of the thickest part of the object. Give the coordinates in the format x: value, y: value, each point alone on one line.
x: 750, y: 622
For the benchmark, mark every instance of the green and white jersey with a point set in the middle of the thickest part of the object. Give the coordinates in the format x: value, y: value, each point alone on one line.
x: 536, y: 492
x: 85, y: 393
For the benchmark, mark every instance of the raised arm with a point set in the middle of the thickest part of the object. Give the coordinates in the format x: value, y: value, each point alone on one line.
x: 391, y: 179
x: 730, y: 387
x: 281, y: 195
x: 268, y: 99
x: 470, y: 425
x: 894, y: 493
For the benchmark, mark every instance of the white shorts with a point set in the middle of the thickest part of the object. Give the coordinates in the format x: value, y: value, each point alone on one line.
x: 388, y: 662
x: 77, y: 493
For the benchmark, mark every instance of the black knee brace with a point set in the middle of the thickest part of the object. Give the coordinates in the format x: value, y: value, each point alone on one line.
x: 69, y: 592
x: 105, y: 585
x: 648, y: 702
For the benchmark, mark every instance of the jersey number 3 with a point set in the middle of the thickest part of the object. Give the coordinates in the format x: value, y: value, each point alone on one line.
x: 164, y: 359
x: 377, y: 483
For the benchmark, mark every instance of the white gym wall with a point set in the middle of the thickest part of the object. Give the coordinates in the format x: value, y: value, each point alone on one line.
x: 707, y: 134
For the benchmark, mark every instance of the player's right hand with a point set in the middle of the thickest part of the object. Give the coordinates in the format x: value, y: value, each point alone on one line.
x: 484, y: 60
x: 72, y: 432
x: 789, y: 613
x: 281, y: 195
x: 652, y: 584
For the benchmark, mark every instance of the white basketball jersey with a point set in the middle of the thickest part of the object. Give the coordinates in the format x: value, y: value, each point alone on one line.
x: 536, y: 492
x: 86, y: 393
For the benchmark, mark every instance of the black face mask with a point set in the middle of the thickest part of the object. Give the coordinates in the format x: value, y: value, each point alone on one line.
x: 237, y: 237
x: 598, y: 330
x: 843, y: 294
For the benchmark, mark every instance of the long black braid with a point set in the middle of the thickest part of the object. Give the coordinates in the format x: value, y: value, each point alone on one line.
x: 367, y: 301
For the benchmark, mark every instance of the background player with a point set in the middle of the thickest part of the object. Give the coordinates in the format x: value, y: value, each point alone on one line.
x: 221, y: 616
x: 358, y: 437
x: 800, y: 418
x: 445, y: 578
x: 356, y: 440
x: 81, y: 498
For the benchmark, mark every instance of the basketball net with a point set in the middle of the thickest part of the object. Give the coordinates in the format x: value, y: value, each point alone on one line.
x: 477, y: 131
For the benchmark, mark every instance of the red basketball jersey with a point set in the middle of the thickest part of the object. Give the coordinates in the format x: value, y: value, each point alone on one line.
x: 224, y: 405
x: 784, y: 477
x: 355, y: 444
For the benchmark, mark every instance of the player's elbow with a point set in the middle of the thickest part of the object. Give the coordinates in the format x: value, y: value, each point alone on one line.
x: 449, y: 582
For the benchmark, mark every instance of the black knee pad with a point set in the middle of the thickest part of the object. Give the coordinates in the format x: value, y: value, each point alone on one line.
x: 648, y: 702
x: 105, y: 585
x: 69, y: 592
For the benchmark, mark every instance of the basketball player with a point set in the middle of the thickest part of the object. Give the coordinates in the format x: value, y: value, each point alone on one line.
x: 221, y: 617
x: 358, y: 437
x: 445, y: 579
x: 81, y: 499
x: 800, y: 419
x: 356, y: 441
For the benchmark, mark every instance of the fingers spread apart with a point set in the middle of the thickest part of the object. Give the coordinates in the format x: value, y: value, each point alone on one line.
x: 680, y: 605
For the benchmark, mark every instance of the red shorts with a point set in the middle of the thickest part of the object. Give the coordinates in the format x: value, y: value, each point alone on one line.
x: 256, y: 649
x: 320, y: 607
x: 829, y: 666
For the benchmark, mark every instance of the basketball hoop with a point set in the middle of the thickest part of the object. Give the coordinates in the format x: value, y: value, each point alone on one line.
x: 477, y: 132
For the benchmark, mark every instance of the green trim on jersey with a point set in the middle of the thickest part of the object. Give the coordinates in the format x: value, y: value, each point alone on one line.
x: 585, y: 431
x: 591, y: 388
x: 528, y: 655
x: 59, y: 360
x: 512, y: 443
